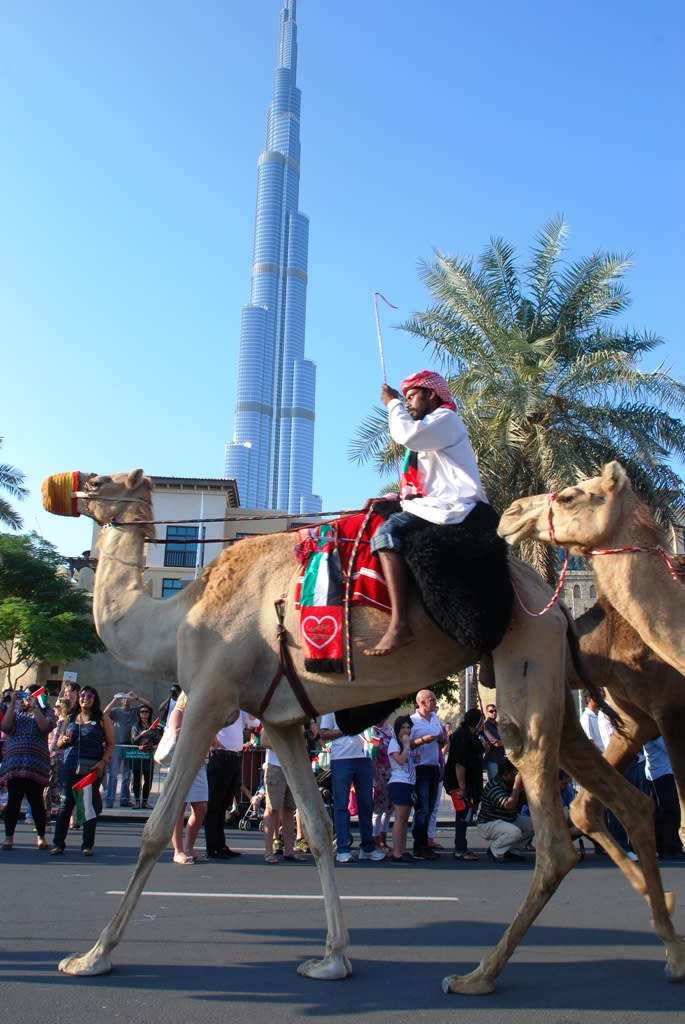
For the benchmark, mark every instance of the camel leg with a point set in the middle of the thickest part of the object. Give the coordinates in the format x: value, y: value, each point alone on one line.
x: 636, y: 813
x: 289, y: 744
x: 531, y: 722
x: 194, y: 739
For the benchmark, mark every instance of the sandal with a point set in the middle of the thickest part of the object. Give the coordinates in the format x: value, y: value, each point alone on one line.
x: 294, y: 856
x: 42, y: 843
x: 465, y: 856
x: 8, y: 844
x: 182, y: 858
x: 270, y: 858
x: 57, y: 851
x: 197, y: 857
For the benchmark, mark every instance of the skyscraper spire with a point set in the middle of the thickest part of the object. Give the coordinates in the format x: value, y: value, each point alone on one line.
x: 271, y: 454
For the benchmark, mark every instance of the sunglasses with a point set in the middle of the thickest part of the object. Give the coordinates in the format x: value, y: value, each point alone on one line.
x: 84, y: 695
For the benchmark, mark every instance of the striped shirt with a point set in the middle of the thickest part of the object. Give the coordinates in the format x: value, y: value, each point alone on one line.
x: 492, y: 807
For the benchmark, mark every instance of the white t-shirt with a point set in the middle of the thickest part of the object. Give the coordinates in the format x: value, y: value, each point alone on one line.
x: 401, y: 772
x: 343, y: 746
x: 446, y: 463
x: 590, y: 724
x: 427, y: 753
x: 231, y: 736
x: 272, y: 758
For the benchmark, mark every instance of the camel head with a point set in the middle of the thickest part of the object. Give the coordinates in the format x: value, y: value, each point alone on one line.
x: 579, y: 518
x: 120, y: 498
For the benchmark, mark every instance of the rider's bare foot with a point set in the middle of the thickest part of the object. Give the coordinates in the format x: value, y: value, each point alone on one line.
x: 391, y: 641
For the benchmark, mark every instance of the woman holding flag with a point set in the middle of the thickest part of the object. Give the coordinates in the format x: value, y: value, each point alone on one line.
x: 145, y: 735
x: 89, y: 742
x: 26, y: 760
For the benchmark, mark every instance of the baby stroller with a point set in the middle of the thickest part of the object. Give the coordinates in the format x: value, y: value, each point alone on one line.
x: 325, y: 784
x: 253, y: 817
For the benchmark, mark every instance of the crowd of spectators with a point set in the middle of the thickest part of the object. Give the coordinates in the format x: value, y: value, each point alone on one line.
x: 391, y: 778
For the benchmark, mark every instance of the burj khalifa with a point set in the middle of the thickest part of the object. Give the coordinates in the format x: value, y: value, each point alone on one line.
x: 271, y: 454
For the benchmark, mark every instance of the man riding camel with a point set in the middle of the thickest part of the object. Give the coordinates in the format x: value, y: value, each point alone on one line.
x: 440, y: 484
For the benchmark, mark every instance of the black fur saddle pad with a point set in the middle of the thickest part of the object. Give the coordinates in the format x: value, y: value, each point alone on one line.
x: 462, y: 573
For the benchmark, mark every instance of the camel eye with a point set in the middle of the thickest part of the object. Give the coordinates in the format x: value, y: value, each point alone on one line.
x: 565, y: 499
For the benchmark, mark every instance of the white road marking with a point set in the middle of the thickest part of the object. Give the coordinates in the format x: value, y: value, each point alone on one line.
x: 285, y: 896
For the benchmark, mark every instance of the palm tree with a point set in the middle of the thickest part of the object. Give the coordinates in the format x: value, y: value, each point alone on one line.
x: 11, y: 480
x: 549, y: 388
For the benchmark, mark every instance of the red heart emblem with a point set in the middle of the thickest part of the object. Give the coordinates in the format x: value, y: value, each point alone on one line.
x: 319, y: 631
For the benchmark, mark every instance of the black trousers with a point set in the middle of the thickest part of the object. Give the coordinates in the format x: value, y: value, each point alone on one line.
x: 142, y: 769
x: 224, y: 775
x: 17, y: 789
x: 666, y: 816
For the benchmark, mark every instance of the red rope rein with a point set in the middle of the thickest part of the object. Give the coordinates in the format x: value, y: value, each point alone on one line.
x: 653, y: 549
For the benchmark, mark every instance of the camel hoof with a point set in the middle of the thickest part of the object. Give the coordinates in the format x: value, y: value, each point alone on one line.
x: 473, y: 984
x: 675, y: 961
x: 331, y: 968
x: 89, y: 964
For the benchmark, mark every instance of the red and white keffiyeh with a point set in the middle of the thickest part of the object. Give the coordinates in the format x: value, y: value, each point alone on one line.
x: 431, y: 382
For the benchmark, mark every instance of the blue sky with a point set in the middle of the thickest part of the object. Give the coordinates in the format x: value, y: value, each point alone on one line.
x: 131, y: 133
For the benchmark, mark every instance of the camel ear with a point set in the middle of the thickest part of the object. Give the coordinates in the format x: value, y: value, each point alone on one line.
x: 614, y: 476
x: 135, y: 477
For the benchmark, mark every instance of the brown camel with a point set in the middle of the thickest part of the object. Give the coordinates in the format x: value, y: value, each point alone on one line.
x: 218, y: 638
x: 603, y: 515
x: 648, y: 694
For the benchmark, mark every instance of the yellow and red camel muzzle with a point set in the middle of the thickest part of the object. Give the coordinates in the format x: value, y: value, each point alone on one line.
x: 61, y: 493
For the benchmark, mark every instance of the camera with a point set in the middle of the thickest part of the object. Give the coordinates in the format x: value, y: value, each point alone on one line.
x: 22, y: 694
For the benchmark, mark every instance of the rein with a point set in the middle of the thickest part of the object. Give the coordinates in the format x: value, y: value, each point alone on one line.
x: 652, y: 549
x: 557, y: 593
x: 629, y: 549
x: 287, y: 669
x: 231, y: 519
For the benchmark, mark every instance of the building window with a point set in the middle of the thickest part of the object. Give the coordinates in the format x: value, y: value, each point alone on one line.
x: 180, y: 551
x: 171, y: 587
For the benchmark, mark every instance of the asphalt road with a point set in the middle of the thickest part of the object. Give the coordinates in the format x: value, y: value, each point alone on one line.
x: 220, y: 942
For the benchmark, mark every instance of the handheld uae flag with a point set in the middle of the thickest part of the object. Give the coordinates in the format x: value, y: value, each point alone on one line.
x: 83, y: 795
x: 42, y: 698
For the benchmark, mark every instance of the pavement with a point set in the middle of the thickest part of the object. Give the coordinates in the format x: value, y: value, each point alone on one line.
x: 221, y: 940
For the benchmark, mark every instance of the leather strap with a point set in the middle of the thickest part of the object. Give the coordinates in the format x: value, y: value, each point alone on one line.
x: 287, y: 669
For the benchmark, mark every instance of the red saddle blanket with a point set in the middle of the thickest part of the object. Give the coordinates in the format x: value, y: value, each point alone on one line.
x: 325, y: 552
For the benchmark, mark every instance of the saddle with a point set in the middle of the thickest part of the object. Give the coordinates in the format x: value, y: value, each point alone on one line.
x: 461, y: 572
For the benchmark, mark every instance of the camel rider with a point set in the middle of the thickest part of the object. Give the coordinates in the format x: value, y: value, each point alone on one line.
x: 440, y: 484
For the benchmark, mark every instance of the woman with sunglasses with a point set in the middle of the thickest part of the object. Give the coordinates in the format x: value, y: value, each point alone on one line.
x: 88, y: 742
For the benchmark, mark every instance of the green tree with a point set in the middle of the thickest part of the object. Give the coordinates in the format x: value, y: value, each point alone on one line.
x: 43, y: 616
x: 11, y: 480
x: 549, y: 387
